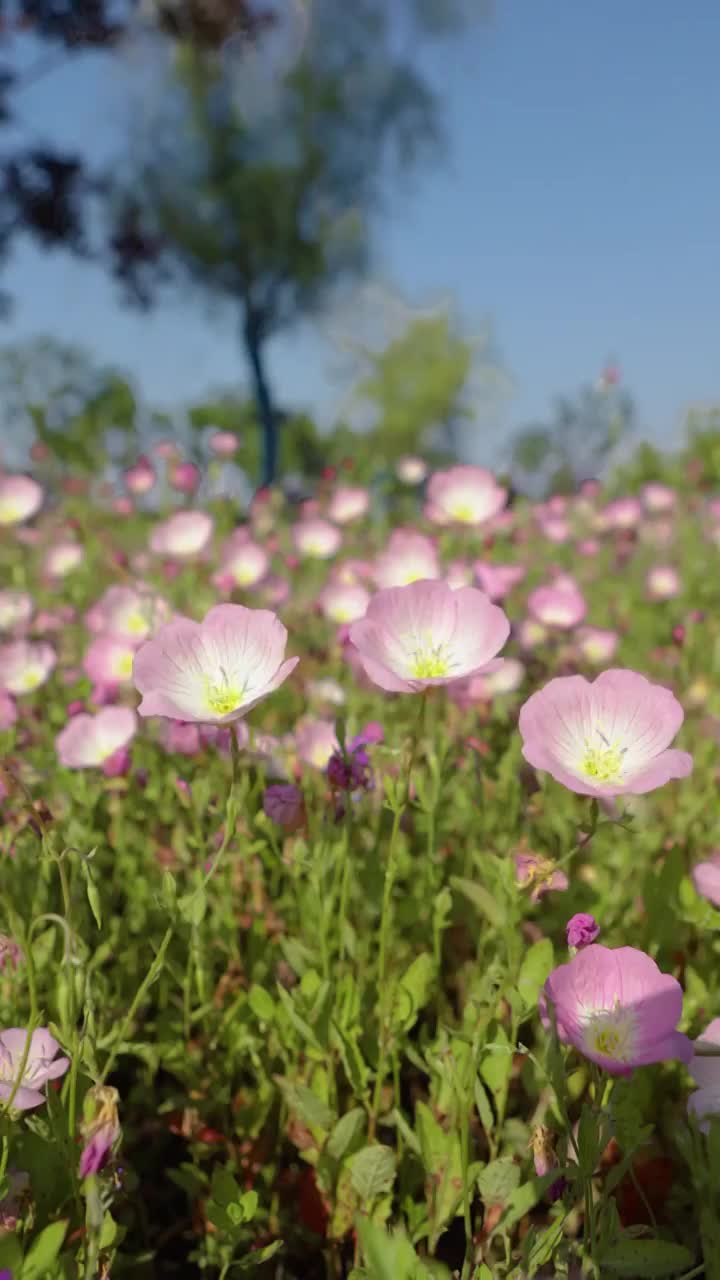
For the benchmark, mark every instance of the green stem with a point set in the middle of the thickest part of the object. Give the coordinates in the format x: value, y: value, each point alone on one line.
x: 152, y: 973
x: 231, y: 809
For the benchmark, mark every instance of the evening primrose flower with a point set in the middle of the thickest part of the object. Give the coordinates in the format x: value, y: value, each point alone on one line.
x: 408, y: 557
x: 316, y: 538
x: 20, y: 498
x: 343, y: 601
x: 63, y: 558
x: 426, y: 634
x: 706, y: 878
x: 41, y: 1065
x: 109, y: 660
x: 616, y: 1008
x: 662, y: 582
x: 212, y: 671
x: 183, y: 535
x: 705, y: 1071
x: 606, y: 737
x: 560, y: 606
x: 25, y: 666
x: 88, y: 741
x: 597, y: 645
x: 464, y: 495
x: 348, y: 504
x: 128, y: 613
x: 244, y: 561
x: 15, y: 608
x: 497, y: 580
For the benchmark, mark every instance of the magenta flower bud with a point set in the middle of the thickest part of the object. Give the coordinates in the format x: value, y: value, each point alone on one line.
x: 117, y: 764
x: 185, y: 477
x: 74, y: 708
x: 581, y: 930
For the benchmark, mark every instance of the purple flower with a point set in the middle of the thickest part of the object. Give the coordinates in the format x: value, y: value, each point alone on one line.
x: 283, y: 803
x: 100, y: 1130
x: 581, y: 930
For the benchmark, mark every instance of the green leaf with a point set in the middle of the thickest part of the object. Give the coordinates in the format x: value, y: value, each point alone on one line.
x: 497, y: 1181
x: 413, y: 992
x: 259, y: 1255
x: 261, y: 1003
x: 640, y: 1258
x: 10, y: 1253
x: 93, y: 896
x: 496, y: 1063
x: 372, y: 1171
x: 223, y: 1188
x: 346, y: 1132
x: 388, y: 1256
x: 44, y: 1251
x: 484, y: 1110
x: 482, y: 900
x: 192, y: 906
x: 306, y: 1105
x: 534, y: 970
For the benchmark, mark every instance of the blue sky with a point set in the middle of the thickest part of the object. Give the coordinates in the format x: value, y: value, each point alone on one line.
x: 578, y: 210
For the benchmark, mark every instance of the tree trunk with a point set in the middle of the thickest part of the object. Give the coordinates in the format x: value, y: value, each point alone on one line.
x: 263, y: 397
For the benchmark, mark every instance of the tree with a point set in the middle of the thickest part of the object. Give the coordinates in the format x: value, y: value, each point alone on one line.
x: 578, y: 442
x: 270, y: 213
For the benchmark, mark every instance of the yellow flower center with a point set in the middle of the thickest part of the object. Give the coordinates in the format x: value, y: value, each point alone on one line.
x: 431, y: 663
x: 10, y: 511
x: 604, y: 763
x: 31, y: 678
x: 136, y: 624
x: 610, y: 1033
x: 222, y: 698
x: 124, y: 665
x: 463, y: 511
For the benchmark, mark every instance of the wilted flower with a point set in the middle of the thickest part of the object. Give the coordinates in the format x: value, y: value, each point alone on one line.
x: 212, y: 671
x: 88, y: 741
x: 581, y: 930
x: 100, y: 1128
x: 616, y: 1008
x: 541, y: 873
x: 41, y: 1065
x: 426, y: 634
x: 25, y: 666
x: 464, y: 495
x: 545, y: 1160
x: 607, y: 737
x: 20, y: 498
x: 284, y: 804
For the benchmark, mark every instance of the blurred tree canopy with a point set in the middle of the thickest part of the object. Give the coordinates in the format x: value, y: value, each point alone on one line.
x: 269, y: 210
x: 578, y: 441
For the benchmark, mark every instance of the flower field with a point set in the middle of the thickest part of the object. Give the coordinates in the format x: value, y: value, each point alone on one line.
x: 360, y: 871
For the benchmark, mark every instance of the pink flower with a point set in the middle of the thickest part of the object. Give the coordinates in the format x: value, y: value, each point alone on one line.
x: 224, y: 443
x: 343, y: 601
x: 41, y: 1065
x: 411, y: 470
x: 25, y: 666
x: 596, y: 645
x: 581, y: 930
x: 622, y: 513
x: 316, y: 538
x: 315, y: 742
x: 109, y: 660
x: 182, y: 535
x: 212, y: 671
x: 127, y: 613
x: 616, y: 1008
x: 426, y: 634
x: 657, y: 497
x: 557, y: 606
x: 706, y: 879
x: 606, y: 737
x: 20, y: 498
x: 244, y: 562
x: 185, y: 477
x: 662, y: 582
x: 63, y: 558
x: 88, y: 741
x: 348, y: 504
x: 497, y: 580
x: 408, y: 557
x: 464, y: 495
x: 705, y: 1071
x: 140, y: 478
x: 15, y: 608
